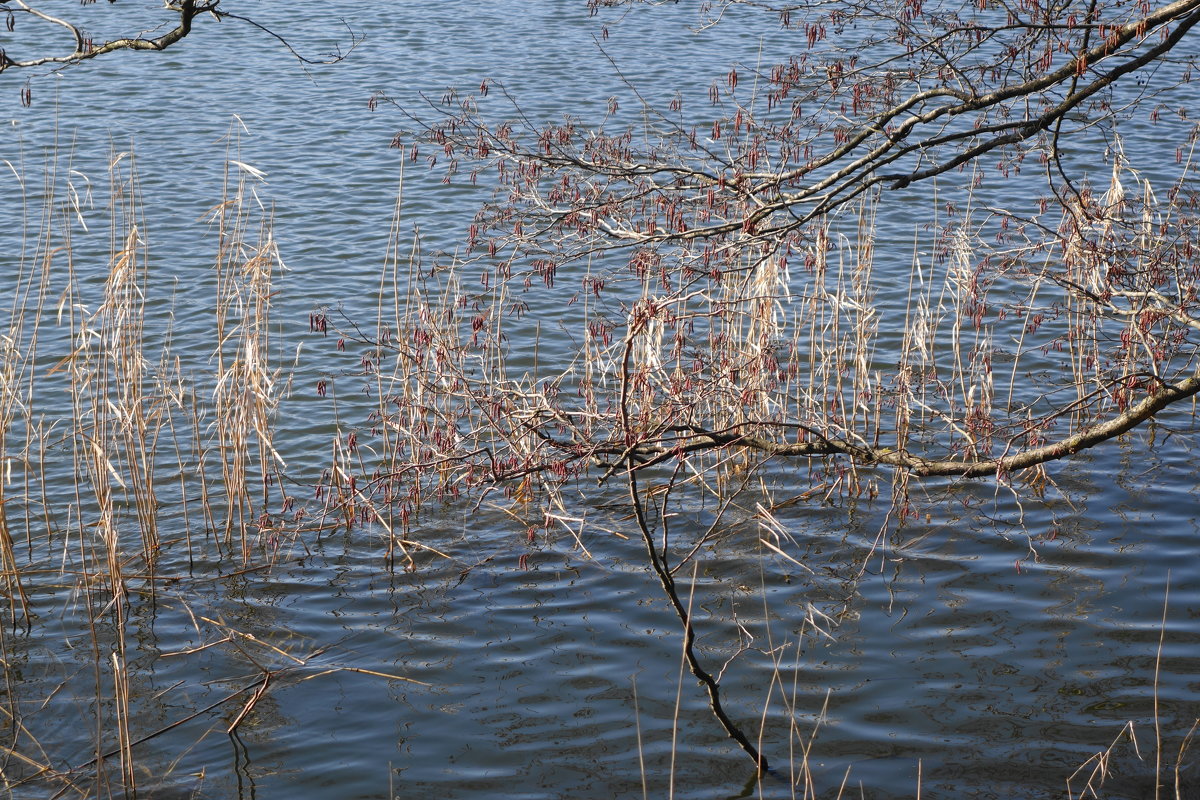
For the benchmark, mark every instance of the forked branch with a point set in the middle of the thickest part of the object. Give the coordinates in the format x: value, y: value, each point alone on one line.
x: 86, y: 48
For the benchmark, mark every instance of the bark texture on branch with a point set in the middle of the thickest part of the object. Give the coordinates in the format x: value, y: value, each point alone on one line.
x: 85, y: 49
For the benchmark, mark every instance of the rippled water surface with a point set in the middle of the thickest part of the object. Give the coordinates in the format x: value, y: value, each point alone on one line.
x: 988, y: 649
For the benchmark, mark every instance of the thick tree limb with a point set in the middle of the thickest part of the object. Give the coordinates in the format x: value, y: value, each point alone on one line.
x: 85, y: 49
x: 919, y: 466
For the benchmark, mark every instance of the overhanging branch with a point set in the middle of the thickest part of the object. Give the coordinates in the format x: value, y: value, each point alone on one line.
x: 1135, y: 415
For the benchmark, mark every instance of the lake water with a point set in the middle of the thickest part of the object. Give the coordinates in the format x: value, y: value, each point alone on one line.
x: 989, y: 649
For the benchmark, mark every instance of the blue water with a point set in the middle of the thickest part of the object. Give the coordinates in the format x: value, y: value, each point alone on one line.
x: 989, y: 648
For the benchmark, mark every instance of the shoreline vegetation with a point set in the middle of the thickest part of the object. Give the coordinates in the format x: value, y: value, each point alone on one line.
x: 736, y: 350
x: 140, y: 439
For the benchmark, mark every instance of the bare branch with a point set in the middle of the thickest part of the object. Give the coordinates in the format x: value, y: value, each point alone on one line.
x: 85, y: 48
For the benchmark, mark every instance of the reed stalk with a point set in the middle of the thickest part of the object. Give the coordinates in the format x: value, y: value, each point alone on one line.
x: 246, y: 394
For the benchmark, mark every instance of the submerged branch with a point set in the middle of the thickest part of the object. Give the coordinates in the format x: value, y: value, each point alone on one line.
x: 689, y: 634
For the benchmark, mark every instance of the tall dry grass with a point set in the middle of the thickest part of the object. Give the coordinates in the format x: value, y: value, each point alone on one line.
x: 248, y: 383
x: 779, y: 349
x: 109, y: 438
